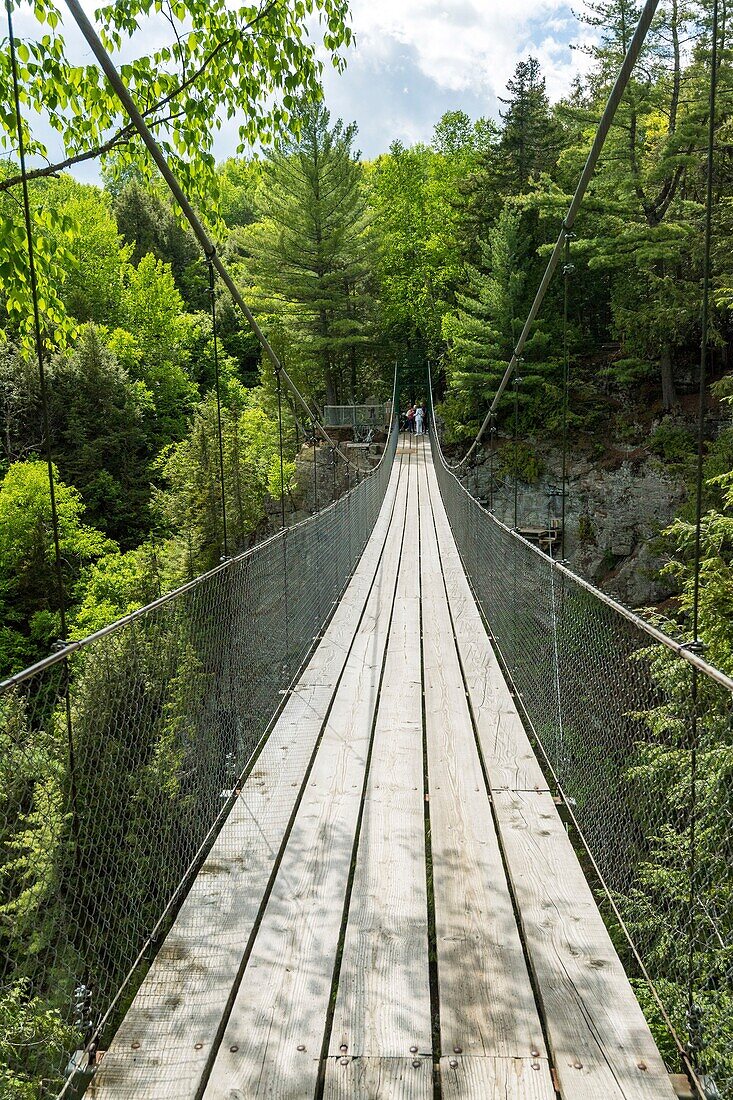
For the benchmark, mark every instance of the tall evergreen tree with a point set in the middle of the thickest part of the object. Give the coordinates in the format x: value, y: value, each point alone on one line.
x: 309, y: 253
x: 482, y: 332
x: 529, y: 136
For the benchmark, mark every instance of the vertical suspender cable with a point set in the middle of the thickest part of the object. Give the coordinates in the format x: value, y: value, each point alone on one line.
x: 212, y: 296
x: 567, y: 271
x: 286, y: 663
x: 517, y: 383
x: 47, y: 441
x: 315, y: 469
x: 282, y: 460
x: 492, y: 448
x: 705, y: 313
x: 37, y: 323
x: 692, y: 1010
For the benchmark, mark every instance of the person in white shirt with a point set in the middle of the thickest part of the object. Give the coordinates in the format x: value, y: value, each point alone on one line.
x: 419, y: 419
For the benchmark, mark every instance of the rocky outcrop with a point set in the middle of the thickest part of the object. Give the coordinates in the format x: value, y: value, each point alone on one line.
x: 615, y: 508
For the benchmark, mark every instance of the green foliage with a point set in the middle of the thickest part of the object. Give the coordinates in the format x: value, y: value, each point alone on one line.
x: 414, y: 193
x: 253, y: 64
x: 530, y: 135
x: 152, y: 345
x: 149, y: 226
x: 92, y: 289
x: 29, y: 594
x: 190, y: 505
x: 673, y: 442
x: 115, y: 585
x: 100, y: 439
x: 32, y: 1037
x: 520, y: 460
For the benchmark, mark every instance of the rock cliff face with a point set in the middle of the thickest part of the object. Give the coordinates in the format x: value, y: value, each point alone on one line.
x: 615, y: 509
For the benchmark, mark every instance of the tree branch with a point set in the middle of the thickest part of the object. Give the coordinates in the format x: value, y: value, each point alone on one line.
x: 123, y: 135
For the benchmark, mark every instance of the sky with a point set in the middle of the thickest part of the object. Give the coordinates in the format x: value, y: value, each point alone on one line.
x: 414, y: 60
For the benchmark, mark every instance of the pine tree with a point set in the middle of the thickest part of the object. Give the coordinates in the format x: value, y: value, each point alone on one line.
x: 482, y: 331
x: 309, y: 253
x: 529, y: 138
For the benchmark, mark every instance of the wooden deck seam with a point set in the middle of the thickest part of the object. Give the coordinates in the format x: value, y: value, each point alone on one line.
x: 429, y: 879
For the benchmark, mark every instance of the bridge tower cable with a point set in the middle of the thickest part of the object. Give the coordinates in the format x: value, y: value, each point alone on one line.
x: 120, y: 89
x: 586, y: 176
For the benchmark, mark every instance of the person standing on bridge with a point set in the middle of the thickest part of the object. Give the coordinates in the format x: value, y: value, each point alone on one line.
x: 419, y: 414
x: 410, y: 417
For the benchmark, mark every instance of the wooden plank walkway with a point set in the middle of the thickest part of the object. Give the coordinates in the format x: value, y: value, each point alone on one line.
x: 393, y: 910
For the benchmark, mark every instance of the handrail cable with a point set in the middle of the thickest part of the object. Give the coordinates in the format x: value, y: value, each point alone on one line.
x: 586, y: 175
x: 121, y: 91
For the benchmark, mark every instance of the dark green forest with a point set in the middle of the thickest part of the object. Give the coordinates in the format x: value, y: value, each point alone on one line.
x: 429, y: 254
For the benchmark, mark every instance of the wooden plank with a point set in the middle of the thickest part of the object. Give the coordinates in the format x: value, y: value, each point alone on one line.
x: 164, y: 1042
x: 601, y: 1045
x: 380, y: 1078
x: 487, y: 1006
x: 272, y: 1042
x: 508, y: 756
x: 383, y: 1004
x: 495, y: 1078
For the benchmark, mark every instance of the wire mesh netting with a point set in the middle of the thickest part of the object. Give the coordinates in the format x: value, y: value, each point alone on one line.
x: 120, y: 758
x: 638, y: 736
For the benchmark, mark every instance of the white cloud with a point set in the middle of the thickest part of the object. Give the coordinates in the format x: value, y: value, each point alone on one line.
x: 448, y: 54
x: 471, y: 45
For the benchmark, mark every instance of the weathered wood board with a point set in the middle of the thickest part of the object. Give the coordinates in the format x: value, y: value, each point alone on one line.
x: 600, y: 1042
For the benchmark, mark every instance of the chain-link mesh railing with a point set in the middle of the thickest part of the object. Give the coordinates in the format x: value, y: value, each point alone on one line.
x: 638, y: 734
x: 119, y: 759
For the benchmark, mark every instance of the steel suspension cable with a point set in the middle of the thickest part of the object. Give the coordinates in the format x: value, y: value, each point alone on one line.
x: 217, y: 383
x: 37, y: 330
x: 586, y: 175
x: 121, y: 91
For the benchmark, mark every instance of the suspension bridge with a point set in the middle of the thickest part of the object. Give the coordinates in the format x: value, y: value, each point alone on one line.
x: 373, y: 809
x: 393, y: 893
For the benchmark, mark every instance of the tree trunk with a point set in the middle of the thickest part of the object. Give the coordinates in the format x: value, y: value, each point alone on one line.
x: 669, y: 393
